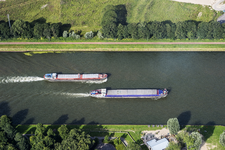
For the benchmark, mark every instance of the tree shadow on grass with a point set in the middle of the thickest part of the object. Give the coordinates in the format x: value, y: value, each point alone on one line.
x: 207, y: 130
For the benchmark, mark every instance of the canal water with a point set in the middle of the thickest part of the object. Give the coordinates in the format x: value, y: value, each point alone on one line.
x: 196, y: 81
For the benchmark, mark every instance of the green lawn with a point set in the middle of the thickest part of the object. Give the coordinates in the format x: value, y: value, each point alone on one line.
x: 86, y: 15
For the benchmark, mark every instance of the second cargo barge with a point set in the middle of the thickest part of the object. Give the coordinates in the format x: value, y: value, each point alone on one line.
x: 129, y: 93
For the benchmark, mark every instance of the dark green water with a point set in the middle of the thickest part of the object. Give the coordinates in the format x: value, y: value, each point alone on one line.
x: 196, y: 82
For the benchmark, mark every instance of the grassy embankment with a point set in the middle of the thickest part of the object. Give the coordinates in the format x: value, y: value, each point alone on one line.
x: 211, y: 133
x: 87, y: 15
x: 35, y: 48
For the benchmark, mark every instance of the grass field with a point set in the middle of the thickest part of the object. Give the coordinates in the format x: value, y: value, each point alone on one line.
x: 86, y: 15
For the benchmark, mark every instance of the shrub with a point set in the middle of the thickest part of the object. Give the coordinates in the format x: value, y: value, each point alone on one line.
x: 65, y: 34
x: 222, y: 139
x: 89, y: 35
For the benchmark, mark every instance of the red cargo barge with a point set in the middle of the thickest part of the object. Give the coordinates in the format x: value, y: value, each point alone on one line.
x: 55, y: 77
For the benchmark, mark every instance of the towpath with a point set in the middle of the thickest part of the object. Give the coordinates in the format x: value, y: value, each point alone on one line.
x: 18, y: 43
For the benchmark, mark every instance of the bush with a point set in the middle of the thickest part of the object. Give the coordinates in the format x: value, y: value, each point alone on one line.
x: 222, y: 139
x: 65, y: 34
x: 89, y: 35
x: 106, y: 139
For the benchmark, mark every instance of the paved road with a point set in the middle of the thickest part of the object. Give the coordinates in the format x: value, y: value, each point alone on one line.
x: 3, y: 43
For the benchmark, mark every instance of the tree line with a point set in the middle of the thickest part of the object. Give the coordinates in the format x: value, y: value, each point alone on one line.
x: 43, y: 138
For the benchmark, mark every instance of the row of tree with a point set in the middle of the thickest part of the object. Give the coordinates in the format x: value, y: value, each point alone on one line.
x: 24, y: 29
x: 111, y: 29
x: 166, y: 30
x: 43, y: 139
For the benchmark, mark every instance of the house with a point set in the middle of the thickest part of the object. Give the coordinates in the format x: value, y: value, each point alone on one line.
x: 158, y: 144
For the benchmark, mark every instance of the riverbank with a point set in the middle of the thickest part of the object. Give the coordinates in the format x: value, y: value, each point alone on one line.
x: 210, y: 133
x: 124, y: 47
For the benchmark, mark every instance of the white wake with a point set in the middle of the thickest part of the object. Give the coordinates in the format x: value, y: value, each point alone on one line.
x: 20, y: 79
x: 76, y: 94
x: 97, y: 81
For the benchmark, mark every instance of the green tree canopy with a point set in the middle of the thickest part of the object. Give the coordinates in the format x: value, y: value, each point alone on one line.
x: 173, y: 125
x: 18, y: 28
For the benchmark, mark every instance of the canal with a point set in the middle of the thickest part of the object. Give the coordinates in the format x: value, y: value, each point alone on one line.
x: 196, y: 81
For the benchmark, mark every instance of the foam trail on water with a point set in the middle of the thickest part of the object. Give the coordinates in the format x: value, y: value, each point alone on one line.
x: 97, y: 82
x: 20, y: 79
x: 77, y: 94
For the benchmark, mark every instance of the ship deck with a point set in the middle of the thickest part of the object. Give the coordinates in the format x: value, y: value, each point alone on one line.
x: 131, y: 93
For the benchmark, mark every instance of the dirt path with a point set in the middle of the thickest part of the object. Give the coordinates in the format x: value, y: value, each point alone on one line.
x: 17, y: 43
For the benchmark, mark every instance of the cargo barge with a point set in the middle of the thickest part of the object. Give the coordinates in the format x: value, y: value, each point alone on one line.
x: 55, y: 77
x: 129, y: 93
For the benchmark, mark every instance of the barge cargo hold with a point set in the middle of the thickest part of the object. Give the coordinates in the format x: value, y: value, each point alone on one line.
x: 55, y: 77
x: 129, y: 93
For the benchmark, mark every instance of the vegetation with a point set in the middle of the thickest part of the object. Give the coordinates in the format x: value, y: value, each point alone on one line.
x: 173, y: 125
x: 222, y: 139
x: 78, y: 13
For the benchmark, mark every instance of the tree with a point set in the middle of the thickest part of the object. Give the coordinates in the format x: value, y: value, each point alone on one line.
x: 3, y: 138
x: 63, y: 131
x: 21, y: 142
x: 173, y: 125
x: 197, y: 140
x: 173, y: 146
x: 202, y: 30
x: 170, y: 30
x: 143, y: 31
x: 133, y: 146
x: 125, y: 32
x: 55, y: 29
x: 191, y: 30
x: 222, y: 139
x: 120, y: 32
x: 4, y: 120
x: 46, y: 31
x: 38, y: 30
x: 18, y: 28
x: 4, y: 30
x: 193, y: 141
x: 40, y: 129
x: 217, y: 29
x: 180, y: 32
x: 109, y: 21
x: 133, y: 30
x: 75, y: 140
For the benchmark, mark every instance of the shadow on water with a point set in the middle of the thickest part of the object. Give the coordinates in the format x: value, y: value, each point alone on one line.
x: 29, y: 121
x: 184, y: 118
x: 4, y: 108
x: 62, y: 119
x: 20, y: 116
x: 81, y: 121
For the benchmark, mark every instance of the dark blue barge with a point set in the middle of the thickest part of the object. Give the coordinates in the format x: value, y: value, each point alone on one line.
x: 129, y: 93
